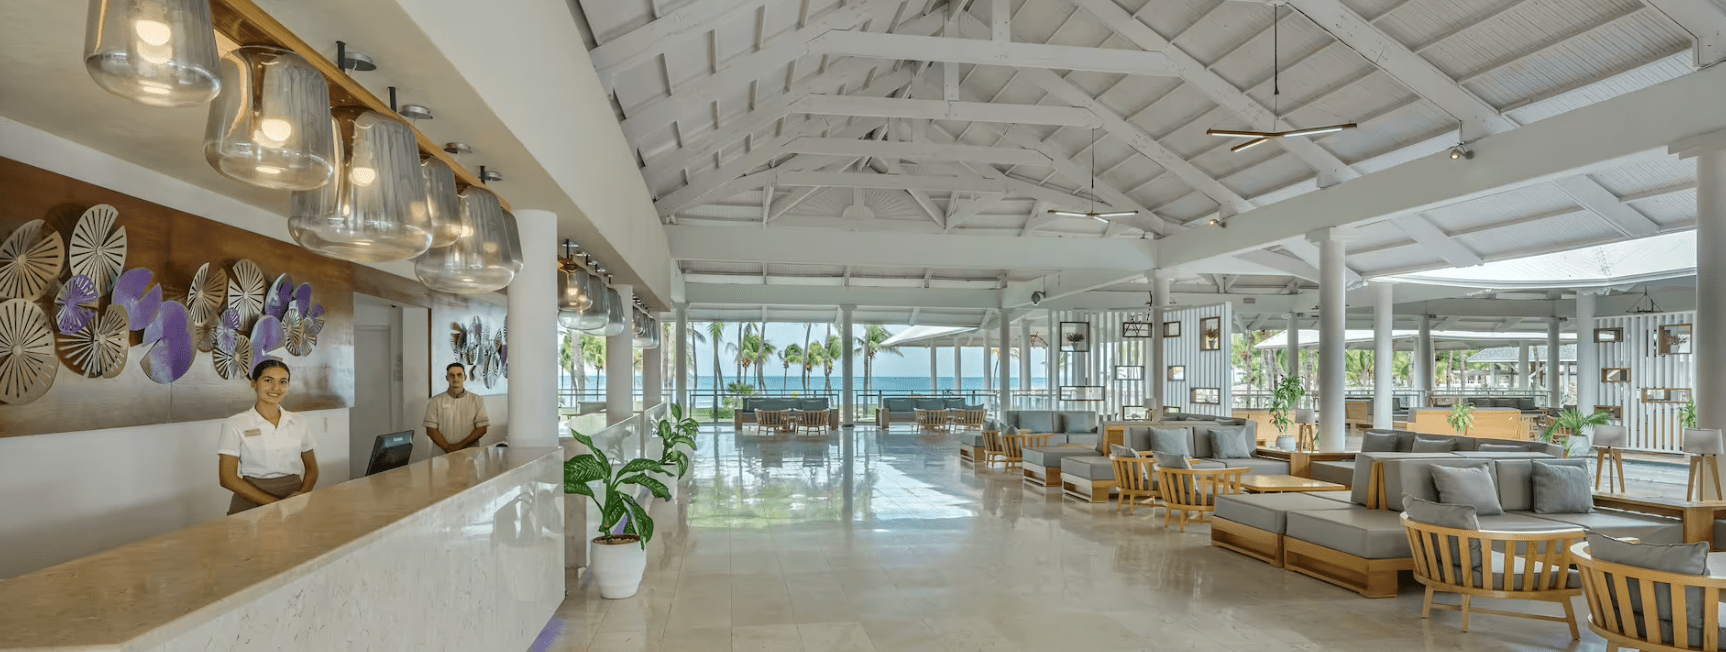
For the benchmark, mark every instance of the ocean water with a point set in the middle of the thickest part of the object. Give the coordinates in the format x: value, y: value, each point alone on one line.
x: 817, y: 383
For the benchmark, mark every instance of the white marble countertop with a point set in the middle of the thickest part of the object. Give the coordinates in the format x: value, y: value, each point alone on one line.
x: 172, y: 582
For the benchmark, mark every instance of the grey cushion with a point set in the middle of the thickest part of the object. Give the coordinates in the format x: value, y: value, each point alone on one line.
x: 1688, y: 559
x: 1467, y: 486
x: 1171, y: 440
x: 1269, y: 512
x: 1172, y: 461
x: 1339, y: 471
x: 1363, y: 475
x: 1258, y: 465
x: 898, y: 404
x: 1037, y: 422
x: 1413, y: 476
x: 1355, y: 530
x: 1500, y: 448
x: 978, y: 406
x: 1614, y: 523
x: 1431, y: 445
x: 1230, y: 443
x: 812, y: 404
x: 953, y: 403
x: 929, y: 404
x: 1139, y: 437
x: 973, y: 440
x: 1516, y: 481
x: 1092, y: 467
x: 1561, y: 489
x: 1122, y: 451
x: 1078, y: 422
x: 1378, y: 441
x: 1460, y: 517
x: 1504, y: 455
x: 1050, y: 457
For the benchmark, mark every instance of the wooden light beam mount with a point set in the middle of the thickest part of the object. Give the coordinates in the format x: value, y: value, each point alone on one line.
x: 245, y: 23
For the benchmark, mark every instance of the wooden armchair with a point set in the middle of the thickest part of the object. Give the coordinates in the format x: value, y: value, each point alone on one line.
x: 812, y: 422
x: 932, y: 419
x: 1623, y: 623
x: 772, y: 420
x: 1445, y: 559
x: 1014, y: 446
x: 969, y: 419
x: 1135, y: 478
x: 1195, y: 491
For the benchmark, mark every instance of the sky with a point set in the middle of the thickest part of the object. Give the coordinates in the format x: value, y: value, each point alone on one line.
x: 914, y: 363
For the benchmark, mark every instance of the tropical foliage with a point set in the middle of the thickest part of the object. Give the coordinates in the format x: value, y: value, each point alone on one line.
x: 617, y: 505
x: 1461, y: 417
x: 873, y: 341
x: 1284, y: 401
x: 1687, y: 414
x: 1574, y: 422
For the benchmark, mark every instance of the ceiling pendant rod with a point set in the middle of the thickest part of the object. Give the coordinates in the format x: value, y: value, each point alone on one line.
x: 1093, y: 214
x: 1261, y: 137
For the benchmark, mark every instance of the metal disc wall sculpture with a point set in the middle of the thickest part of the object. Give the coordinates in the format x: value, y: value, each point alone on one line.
x: 481, y: 350
x: 246, y: 291
x: 27, y: 364
x: 205, y: 299
x: 75, y: 304
x: 98, y: 249
x: 30, y: 260
x: 99, y: 349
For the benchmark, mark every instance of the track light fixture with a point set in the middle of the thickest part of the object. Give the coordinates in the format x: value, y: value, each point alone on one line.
x: 350, y: 60
x: 458, y: 148
x: 1461, y: 153
x: 488, y: 176
x: 415, y: 111
x: 1219, y: 222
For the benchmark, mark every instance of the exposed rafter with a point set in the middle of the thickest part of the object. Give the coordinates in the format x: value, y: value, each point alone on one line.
x: 643, y: 43
x: 946, y: 110
x: 914, y: 151
x: 1622, y: 217
x: 992, y: 53
x: 1436, y: 240
x: 1706, y: 22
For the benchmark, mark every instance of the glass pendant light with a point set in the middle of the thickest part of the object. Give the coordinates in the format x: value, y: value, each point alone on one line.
x: 270, y: 126
x: 155, y: 52
x: 645, y: 327
x: 616, y: 314
x: 512, y: 239
x: 591, y: 319
x: 374, y: 210
x: 572, y: 294
x: 443, y: 205
x: 478, y: 261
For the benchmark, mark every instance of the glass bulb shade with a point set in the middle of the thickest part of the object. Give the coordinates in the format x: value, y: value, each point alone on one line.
x: 270, y: 126
x: 572, y: 294
x: 443, y: 204
x: 512, y: 240
x: 616, y: 314
x: 592, y: 319
x: 477, y: 262
x: 645, y: 331
x: 155, y: 52
x: 374, y: 209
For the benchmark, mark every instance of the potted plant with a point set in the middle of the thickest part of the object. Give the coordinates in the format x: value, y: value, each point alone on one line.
x: 1285, y: 397
x: 620, y: 551
x: 1461, y: 417
x: 1687, y: 414
x: 1576, y: 424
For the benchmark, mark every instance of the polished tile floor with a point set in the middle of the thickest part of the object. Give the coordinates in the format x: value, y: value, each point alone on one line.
x: 871, y: 541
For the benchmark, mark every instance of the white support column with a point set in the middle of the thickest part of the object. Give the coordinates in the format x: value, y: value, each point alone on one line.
x: 1709, y: 358
x: 652, y: 376
x: 1423, y: 363
x: 847, y: 402
x: 1157, y: 375
x: 532, y: 325
x: 934, y: 369
x: 681, y: 366
x: 620, y: 368
x: 1004, y: 390
x: 1333, y: 317
x: 1051, y: 366
x: 1587, y: 363
x: 958, y: 365
x: 1554, y: 367
x: 1383, y: 390
x: 1025, y: 349
x: 1292, y: 338
x: 988, y: 362
x: 1521, y: 366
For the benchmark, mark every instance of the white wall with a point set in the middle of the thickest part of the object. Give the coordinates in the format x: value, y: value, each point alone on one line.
x: 68, y: 495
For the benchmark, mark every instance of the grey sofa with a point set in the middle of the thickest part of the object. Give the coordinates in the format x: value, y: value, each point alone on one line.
x: 1386, y: 441
x: 1091, y: 476
x: 1362, y: 545
x: 904, y: 409
x: 1069, y: 427
x: 746, y: 413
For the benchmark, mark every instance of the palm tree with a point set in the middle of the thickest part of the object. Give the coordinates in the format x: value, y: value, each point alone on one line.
x: 593, y: 351
x: 570, y: 360
x: 763, y: 354
x: 814, y: 356
x: 835, y: 351
x: 716, y: 333
x: 790, y: 355
x: 807, y: 327
x: 869, y: 344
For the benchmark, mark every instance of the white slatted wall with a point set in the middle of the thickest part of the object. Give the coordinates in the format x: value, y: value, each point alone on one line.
x: 1204, y: 368
x: 1652, y: 426
x: 1097, y: 367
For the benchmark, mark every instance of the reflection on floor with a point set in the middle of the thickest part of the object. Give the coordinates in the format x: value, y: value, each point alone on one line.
x: 872, y: 541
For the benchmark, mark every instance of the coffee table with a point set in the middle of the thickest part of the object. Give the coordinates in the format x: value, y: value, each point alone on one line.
x: 1264, y: 484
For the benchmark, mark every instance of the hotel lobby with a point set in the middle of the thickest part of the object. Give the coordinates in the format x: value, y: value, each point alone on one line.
x: 862, y: 325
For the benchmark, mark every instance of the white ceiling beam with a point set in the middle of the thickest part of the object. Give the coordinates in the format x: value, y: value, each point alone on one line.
x: 1038, y: 221
x: 1279, y: 262
x: 882, y: 107
x: 1436, y: 240
x: 1066, y: 283
x: 1308, y: 252
x: 992, y: 53
x: 798, y: 196
x: 885, y: 181
x: 971, y: 208
x: 1706, y: 22
x: 1478, y: 118
x: 920, y: 250
x: 643, y: 43
x: 1622, y: 217
x: 1549, y: 45
x: 732, y: 173
x: 1001, y: 20
x: 915, y: 151
x: 1640, y: 123
x: 1331, y: 170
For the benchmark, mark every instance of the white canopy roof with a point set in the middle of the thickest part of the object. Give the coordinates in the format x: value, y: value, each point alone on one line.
x: 1620, y: 263
x: 921, y: 335
x: 1362, y: 339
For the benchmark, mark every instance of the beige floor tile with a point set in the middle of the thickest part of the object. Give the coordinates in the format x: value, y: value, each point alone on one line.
x: 766, y: 638
x: 835, y: 637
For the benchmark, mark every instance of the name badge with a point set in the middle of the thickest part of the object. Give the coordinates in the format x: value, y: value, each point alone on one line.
x: 253, y: 432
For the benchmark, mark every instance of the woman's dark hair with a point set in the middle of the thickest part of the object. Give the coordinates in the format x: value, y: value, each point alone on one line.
x: 258, y: 371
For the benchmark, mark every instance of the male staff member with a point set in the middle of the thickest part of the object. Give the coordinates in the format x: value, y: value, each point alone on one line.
x: 456, y: 412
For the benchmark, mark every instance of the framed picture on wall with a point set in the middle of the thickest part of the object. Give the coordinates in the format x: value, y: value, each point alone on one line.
x: 1171, y: 329
x: 1665, y: 395
x: 1135, y: 413
x: 1177, y: 373
x: 1608, y: 335
x: 1129, y: 372
x: 1081, y: 392
x: 1205, y: 396
x: 1615, y: 375
x: 1075, y: 337
x: 1211, y: 334
x: 1170, y: 410
x: 1135, y: 330
x: 1675, y: 339
x: 1617, y: 411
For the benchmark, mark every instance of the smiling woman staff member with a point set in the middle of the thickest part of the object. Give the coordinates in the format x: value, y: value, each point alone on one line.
x: 265, y: 450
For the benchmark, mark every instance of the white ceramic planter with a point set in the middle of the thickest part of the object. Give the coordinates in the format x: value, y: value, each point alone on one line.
x: 1286, y: 442
x: 617, y: 567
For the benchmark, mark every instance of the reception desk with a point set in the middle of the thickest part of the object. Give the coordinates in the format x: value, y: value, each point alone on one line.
x: 459, y: 552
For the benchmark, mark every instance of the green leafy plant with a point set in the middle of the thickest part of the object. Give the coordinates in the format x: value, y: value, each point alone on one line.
x: 1461, y: 417
x: 677, y: 431
x: 1574, y: 421
x: 1284, y: 399
x: 582, y: 470
x: 1687, y: 414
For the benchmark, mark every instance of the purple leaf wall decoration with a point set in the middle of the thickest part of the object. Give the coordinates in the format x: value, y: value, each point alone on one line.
x: 75, y: 308
x: 303, y: 298
x: 136, y: 293
x: 169, y: 337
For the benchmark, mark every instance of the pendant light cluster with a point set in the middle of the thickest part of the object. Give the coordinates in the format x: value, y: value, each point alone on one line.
x: 360, y: 190
x: 1260, y: 137
x: 587, y: 304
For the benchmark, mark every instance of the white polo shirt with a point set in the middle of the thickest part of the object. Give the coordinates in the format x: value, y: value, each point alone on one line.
x: 456, y: 417
x: 265, y: 450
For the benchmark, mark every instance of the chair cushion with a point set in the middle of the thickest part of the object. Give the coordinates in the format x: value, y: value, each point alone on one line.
x: 1050, y: 457
x: 1171, y: 440
x: 1037, y: 422
x: 1687, y: 559
x: 953, y: 403
x: 1468, y: 486
x: 1118, y: 450
x: 812, y: 404
x: 1340, y: 472
x: 1230, y: 443
x: 1355, y: 530
x: 1433, y: 445
x: 1561, y: 489
x: 1090, y: 467
x: 1460, y: 517
x: 1516, y: 481
x: 978, y: 406
x: 929, y: 404
x: 1363, y: 476
x: 1269, y: 512
x: 1500, y: 448
x: 1139, y: 437
x: 1172, y: 461
x: 898, y: 404
x: 1078, y: 422
x: 1259, y: 465
x: 1378, y: 441
x: 972, y: 439
x: 1615, y: 523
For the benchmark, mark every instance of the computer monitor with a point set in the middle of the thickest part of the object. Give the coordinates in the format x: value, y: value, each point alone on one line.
x: 390, y: 451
